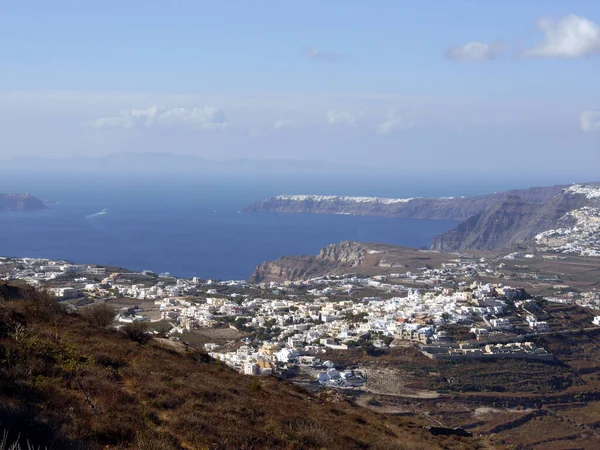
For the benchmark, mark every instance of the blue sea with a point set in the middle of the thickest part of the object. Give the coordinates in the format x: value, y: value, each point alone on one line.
x: 195, y: 226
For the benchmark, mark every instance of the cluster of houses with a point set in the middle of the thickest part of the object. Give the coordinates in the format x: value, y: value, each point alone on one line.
x: 290, y: 324
x: 38, y: 270
x: 579, y: 235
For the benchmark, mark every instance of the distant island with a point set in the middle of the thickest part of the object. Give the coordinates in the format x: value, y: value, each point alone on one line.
x: 20, y: 202
x: 488, y: 222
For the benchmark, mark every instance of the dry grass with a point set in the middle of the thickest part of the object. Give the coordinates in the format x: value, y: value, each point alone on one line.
x: 99, y: 314
x: 66, y: 383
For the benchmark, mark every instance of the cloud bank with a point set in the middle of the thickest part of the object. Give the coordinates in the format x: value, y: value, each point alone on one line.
x: 206, y: 118
x: 570, y: 37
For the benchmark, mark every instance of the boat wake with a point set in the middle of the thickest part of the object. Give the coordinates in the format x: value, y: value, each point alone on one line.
x: 101, y: 213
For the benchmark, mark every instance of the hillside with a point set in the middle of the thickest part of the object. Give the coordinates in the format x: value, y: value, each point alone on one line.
x: 515, y: 221
x: 445, y: 208
x: 68, y: 384
x: 20, y: 202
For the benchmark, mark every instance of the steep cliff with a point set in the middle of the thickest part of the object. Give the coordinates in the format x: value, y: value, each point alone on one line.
x: 20, y: 202
x: 445, y: 208
x: 346, y: 257
x: 513, y: 221
x: 290, y: 268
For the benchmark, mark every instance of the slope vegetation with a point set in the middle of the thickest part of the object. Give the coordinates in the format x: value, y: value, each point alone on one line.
x: 65, y: 383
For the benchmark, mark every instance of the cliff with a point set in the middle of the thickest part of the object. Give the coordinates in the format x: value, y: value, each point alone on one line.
x: 290, y: 268
x: 346, y: 257
x: 514, y: 221
x: 444, y: 208
x: 22, y: 202
x: 489, y: 222
x: 86, y: 387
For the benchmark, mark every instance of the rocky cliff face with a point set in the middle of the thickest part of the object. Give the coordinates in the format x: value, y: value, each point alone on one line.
x: 291, y: 268
x: 23, y: 202
x: 511, y: 221
x: 347, y: 257
x: 347, y: 253
x: 450, y: 208
x: 489, y: 222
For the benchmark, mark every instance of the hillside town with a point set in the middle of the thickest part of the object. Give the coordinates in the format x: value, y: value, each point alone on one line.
x: 577, y: 234
x: 448, y: 312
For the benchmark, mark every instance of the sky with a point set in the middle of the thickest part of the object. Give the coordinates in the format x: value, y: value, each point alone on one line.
x: 428, y: 86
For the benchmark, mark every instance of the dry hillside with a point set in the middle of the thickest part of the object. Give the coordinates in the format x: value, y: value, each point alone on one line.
x: 65, y: 383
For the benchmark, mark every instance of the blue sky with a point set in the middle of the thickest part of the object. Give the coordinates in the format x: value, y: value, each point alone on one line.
x: 420, y: 85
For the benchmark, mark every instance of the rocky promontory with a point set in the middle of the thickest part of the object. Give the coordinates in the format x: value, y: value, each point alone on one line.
x: 20, y: 202
x: 346, y: 257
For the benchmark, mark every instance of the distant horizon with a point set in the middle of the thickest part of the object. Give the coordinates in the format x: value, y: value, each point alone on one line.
x: 132, y: 163
x: 259, y: 185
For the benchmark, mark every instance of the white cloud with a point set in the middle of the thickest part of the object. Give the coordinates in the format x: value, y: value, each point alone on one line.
x: 205, y: 118
x: 319, y: 55
x: 282, y: 123
x: 590, y: 121
x: 395, y: 121
x: 342, y: 117
x: 148, y: 114
x: 569, y: 37
x: 475, y: 51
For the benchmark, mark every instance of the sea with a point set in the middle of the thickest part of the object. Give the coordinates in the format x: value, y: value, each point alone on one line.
x: 196, y: 225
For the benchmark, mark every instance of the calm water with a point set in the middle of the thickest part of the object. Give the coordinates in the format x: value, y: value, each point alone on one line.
x: 192, y: 227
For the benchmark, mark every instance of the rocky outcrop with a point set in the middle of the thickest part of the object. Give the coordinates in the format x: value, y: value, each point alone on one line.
x: 445, y: 208
x: 511, y: 221
x: 291, y: 268
x: 348, y: 253
x: 347, y: 257
x: 287, y: 268
x: 23, y: 202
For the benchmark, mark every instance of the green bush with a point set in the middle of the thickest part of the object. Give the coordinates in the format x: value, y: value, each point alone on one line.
x: 373, y: 401
x: 100, y: 315
x: 137, y: 332
x: 255, y: 384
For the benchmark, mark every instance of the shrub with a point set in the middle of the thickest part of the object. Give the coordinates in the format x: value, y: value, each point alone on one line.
x: 137, y: 332
x: 100, y: 315
x: 255, y: 384
x: 373, y: 401
x: 43, y: 306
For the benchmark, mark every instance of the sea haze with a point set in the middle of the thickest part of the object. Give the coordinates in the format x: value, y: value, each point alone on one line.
x: 196, y: 226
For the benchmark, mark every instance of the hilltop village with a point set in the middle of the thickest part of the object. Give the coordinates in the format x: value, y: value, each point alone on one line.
x: 451, y: 312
